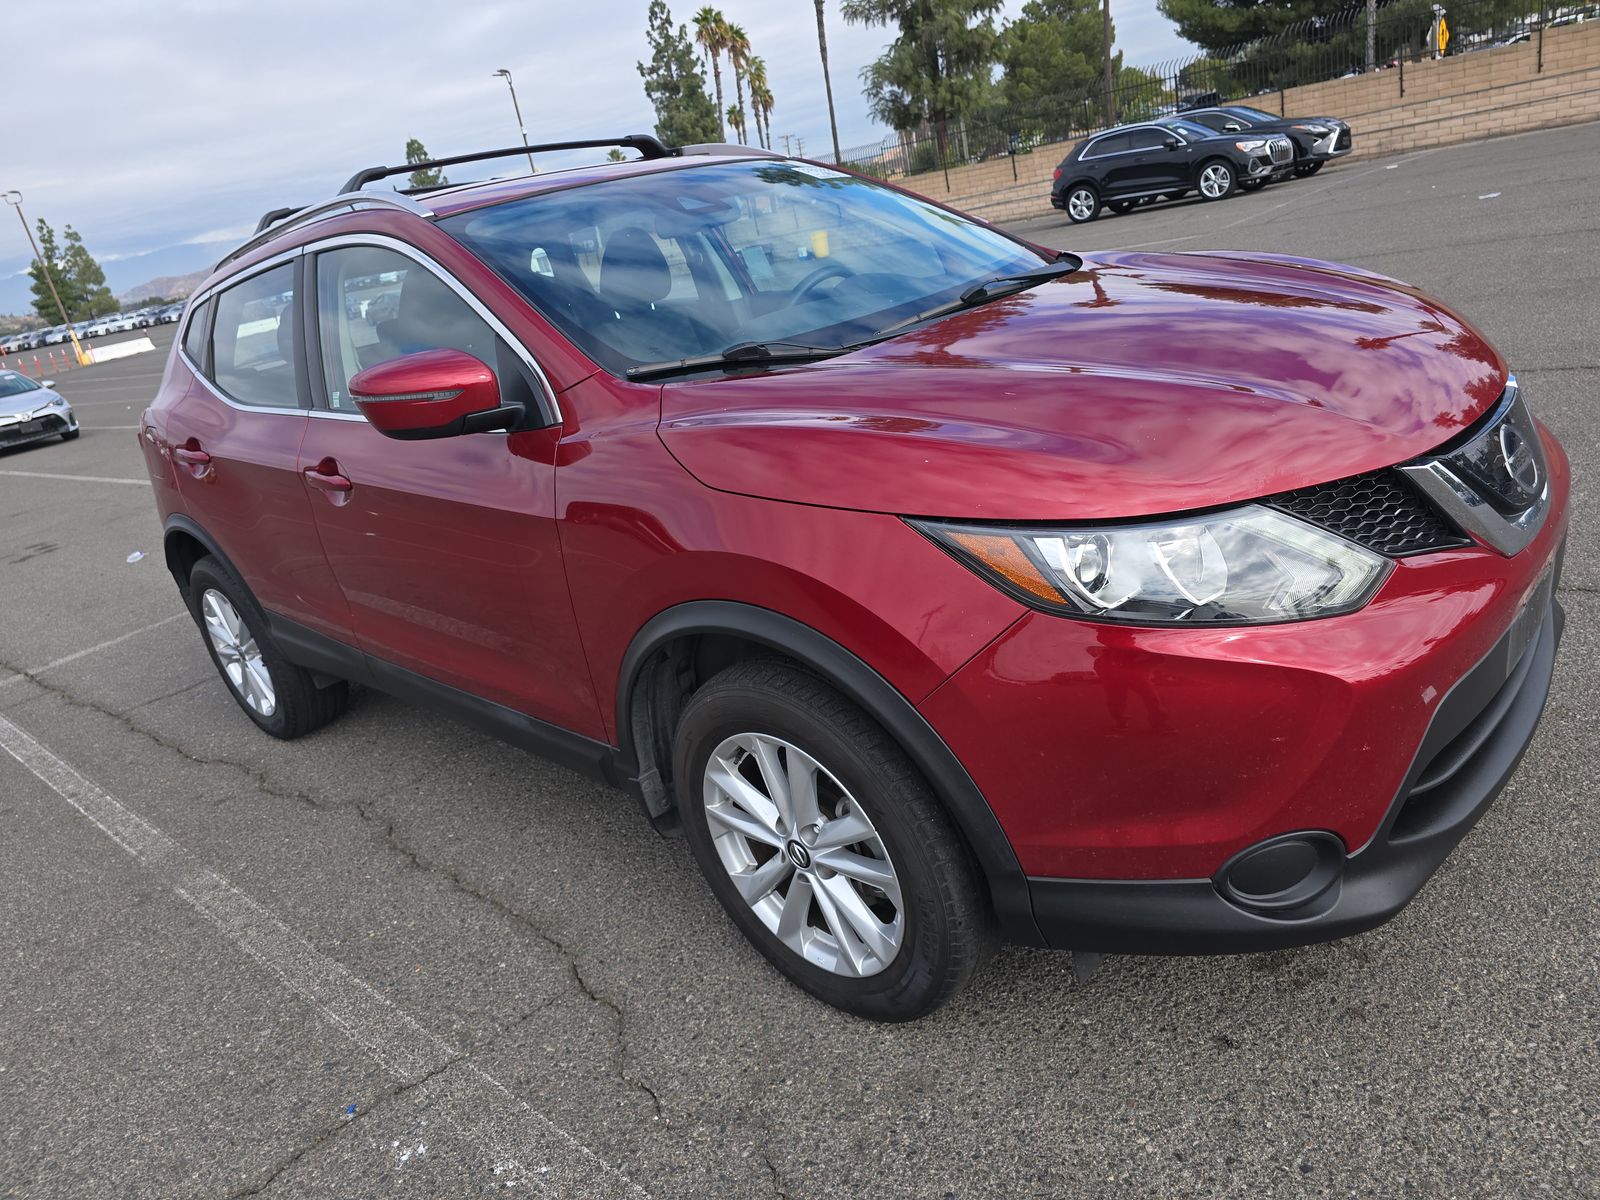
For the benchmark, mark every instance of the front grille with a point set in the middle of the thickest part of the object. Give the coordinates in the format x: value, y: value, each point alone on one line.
x: 1379, y: 510
x: 1282, y: 150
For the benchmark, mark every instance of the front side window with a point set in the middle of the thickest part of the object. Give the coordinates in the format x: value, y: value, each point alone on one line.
x: 375, y: 304
x: 253, y: 348
x: 12, y: 384
x: 1148, y: 139
x: 691, y: 261
x: 1250, y: 116
x: 1216, y: 122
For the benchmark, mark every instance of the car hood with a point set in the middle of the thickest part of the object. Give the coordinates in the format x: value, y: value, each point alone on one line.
x: 1140, y: 384
x: 25, y: 403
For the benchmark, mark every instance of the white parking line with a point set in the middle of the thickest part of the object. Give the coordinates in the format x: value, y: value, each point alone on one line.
x: 503, y: 1133
x: 29, y: 672
x: 75, y: 478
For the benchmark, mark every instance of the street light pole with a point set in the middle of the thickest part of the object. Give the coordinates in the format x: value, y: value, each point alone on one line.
x: 14, y: 199
x: 502, y: 73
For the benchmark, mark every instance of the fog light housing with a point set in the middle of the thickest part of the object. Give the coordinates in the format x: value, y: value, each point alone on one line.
x: 1290, y: 876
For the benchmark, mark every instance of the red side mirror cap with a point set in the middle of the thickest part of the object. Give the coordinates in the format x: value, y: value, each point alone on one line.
x: 431, y: 394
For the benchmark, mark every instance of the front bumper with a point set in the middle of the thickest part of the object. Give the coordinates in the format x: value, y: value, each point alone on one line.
x: 38, y: 428
x: 1133, y: 768
x: 1336, y: 144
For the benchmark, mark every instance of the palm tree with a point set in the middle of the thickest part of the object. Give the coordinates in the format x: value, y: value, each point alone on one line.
x: 761, y: 100
x: 738, y: 47
x: 711, y: 34
x: 827, y: 82
x: 736, y: 119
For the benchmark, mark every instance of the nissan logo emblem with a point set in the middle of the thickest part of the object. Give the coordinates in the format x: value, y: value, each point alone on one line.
x: 1521, y: 465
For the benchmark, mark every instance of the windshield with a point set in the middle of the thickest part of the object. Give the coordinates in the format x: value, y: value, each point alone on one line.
x: 14, y: 385
x: 689, y: 262
x: 1189, y: 129
x: 1250, y: 114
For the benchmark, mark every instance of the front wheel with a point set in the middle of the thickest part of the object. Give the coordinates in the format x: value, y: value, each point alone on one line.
x: 1306, y: 170
x: 1217, y: 180
x: 825, y: 845
x: 1083, y: 204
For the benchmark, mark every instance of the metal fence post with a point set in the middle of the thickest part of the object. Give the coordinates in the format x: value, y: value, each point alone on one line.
x: 1539, y: 56
x: 1402, y: 56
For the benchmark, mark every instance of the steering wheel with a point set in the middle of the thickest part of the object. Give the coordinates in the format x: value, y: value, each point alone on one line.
x: 821, y: 275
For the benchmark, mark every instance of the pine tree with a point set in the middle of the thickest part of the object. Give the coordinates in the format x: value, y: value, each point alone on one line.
x: 416, y: 152
x: 673, y: 83
x: 78, y: 278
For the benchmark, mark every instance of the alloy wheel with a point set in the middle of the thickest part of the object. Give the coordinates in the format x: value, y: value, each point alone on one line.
x: 803, y: 855
x: 1080, y: 204
x: 1215, y: 180
x: 238, y: 653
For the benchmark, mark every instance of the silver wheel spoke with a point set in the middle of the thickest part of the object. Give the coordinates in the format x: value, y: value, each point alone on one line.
x: 847, y: 902
x: 776, y: 779
x: 738, y: 789
x: 871, y: 871
x: 794, y: 920
x: 844, y: 831
x: 238, y: 653
x: 763, y: 880
x: 739, y: 821
x: 852, y: 952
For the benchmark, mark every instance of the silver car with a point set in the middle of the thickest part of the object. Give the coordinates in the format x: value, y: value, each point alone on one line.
x: 31, y: 411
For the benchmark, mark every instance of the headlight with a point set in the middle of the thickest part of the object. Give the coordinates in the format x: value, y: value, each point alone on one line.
x: 1246, y: 566
x: 1319, y: 130
x: 1251, y: 146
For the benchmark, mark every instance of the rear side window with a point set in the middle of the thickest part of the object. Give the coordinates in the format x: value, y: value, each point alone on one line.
x: 1107, y: 145
x: 194, y: 335
x: 253, y: 340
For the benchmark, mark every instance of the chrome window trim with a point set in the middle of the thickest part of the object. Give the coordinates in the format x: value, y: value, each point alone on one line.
x: 1129, y: 129
x: 199, y: 298
x: 1461, y: 502
x: 406, y: 250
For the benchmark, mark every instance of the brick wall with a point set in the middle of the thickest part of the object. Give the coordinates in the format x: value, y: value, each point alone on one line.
x: 1459, y: 99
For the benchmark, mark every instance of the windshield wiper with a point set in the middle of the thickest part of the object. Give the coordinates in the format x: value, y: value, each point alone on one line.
x: 978, y: 293
x: 752, y: 354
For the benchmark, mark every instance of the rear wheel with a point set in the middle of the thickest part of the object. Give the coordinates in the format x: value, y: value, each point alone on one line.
x: 825, y: 845
x: 1083, y: 204
x: 280, y: 697
x: 1217, y: 179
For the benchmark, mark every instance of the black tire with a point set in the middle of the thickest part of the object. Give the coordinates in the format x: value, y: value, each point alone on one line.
x: 1175, y: 195
x: 1121, y: 206
x: 300, y: 705
x: 68, y: 435
x: 1232, y: 178
x: 948, y: 930
x: 1305, y: 170
x: 1089, y: 203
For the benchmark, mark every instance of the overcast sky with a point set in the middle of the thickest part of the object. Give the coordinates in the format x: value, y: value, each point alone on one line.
x: 162, y: 130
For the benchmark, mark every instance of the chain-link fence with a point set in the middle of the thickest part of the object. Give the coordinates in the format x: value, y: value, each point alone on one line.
x: 1354, y: 41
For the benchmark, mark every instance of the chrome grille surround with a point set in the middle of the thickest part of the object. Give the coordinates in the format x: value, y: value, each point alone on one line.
x: 1495, y: 485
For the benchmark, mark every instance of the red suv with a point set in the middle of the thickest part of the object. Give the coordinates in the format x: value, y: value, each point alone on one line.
x: 942, y: 588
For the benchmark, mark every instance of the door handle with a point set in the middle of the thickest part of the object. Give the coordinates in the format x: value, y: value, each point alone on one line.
x: 191, y: 457
x: 327, y: 480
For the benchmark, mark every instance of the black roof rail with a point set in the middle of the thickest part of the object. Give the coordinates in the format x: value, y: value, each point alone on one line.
x: 273, y: 217
x: 647, y: 145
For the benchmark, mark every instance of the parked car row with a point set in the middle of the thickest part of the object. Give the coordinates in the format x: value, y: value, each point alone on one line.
x: 1211, y: 151
x: 55, y: 335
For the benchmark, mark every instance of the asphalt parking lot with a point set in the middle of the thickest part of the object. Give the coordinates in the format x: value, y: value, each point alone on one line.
x: 397, y: 958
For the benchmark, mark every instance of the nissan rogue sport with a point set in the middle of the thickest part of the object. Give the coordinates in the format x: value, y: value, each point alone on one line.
x: 942, y: 589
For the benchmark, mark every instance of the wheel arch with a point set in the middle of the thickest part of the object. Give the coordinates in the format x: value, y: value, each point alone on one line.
x: 184, y: 543
x: 667, y: 658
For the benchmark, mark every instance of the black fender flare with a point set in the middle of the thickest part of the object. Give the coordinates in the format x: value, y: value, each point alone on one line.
x: 179, y: 523
x: 1008, y: 885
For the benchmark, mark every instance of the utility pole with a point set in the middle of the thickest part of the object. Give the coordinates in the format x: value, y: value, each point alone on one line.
x: 15, y: 200
x: 502, y: 73
x: 788, y: 153
x: 1105, y: 25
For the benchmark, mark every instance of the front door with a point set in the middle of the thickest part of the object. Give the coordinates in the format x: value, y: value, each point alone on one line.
x: 446, y: 550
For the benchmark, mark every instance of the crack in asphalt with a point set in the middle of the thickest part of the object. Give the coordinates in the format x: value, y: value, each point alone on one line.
x: 391, y: 840
x: 382, y: 1100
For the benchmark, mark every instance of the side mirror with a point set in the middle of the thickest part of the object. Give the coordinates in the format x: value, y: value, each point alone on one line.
x: 1233, y: 127
x: 47, y: 383
x: 432, y: 394
x: 1172, y: 143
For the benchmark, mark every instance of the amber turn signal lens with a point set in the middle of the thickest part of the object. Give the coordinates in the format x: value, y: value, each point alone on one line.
x: 1003, y: 556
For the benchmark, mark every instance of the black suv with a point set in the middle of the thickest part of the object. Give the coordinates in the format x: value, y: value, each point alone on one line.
x: 1165, y: 158
x: 1316, y: 139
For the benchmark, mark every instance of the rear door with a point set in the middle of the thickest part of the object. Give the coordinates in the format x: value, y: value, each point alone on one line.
x: 446, y: 550
x: 235, y: 434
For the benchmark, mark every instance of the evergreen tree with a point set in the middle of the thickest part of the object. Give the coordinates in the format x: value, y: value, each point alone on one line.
x: 416, y: 152
x: 674, y: 85
x: 78, y: 278
x: 1053, y: 52
x: 938, y: 68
